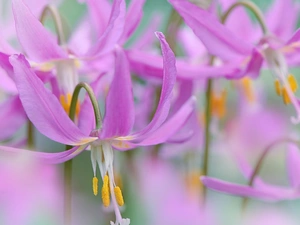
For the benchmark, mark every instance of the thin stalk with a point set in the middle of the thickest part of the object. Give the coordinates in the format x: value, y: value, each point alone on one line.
x: 207, y: 126
x: 253, y: 8
x: 57, y: 22
x: 68, y: 191
x: 69, y: 164
x: 258, y: 14
x: 261, y: 161
x: 30, y: 135
x: 89, y: 90
x: 173, y: 24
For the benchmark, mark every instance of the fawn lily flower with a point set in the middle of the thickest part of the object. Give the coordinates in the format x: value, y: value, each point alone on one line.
x: 46, y: 54
x: 45, y: 112
x: 260, y: 189
x: 220, y: 42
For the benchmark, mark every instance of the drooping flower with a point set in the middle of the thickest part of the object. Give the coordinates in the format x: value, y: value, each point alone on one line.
x: 221, y: 42
x: 260, y: 189
x: 46, y: 113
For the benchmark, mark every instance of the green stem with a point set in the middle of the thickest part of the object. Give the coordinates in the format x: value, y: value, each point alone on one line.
x: 253, y: 8
x: 174, y: 22
x: 30, y: 135
x: 261, y: 21
x: 207, y: 126
x: 261, y: 161
x: 93, y: 99
x: 68, y: 165
x: 68, y: 191
x: 57, y: 22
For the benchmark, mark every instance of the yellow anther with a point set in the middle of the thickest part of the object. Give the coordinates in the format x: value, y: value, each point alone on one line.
x: 105, y: 191
x: 219, y: 104
x: 285, y: 96
x: 293, y: 83
x: 65, y: 101
x: 247, y: 88
x: 95, y: 185
x: 119, y: 196
x: 278, y: 87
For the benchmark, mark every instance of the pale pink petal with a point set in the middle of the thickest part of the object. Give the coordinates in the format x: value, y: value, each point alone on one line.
x: 119, y: 108
x: 43, y: 108
x: 38, y: 44
x: 216, y: 37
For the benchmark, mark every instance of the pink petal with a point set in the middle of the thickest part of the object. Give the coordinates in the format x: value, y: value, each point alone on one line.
x: 133, y: 18
x: 119, y: 112
x: 43, y: 108
x: 169, y: 78
x: 169, y: 128
x: 113, y: 32
x: 216, y: 37
x: 12, y: 117
x: 246, y: 191
x: 281, y: 23
x: 34, y: 38
x: 293, y: 165
x: 150, y: 65
x: 46, y: 157
x: 99, y: 11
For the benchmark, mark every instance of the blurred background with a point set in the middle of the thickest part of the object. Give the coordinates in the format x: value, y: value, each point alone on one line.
x: 152, y: 187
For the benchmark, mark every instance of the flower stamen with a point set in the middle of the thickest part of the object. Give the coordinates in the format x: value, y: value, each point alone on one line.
x: 95, y: 186
x: 105, y: 191
x: 119, y: 196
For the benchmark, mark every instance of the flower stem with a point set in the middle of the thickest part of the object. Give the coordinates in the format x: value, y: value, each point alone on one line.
x: 89, y: 90
x: 173, y: 24
x: 30, y: 135
x: 57, y: 22
x: 68, y: 165
x: 260, y: 163
x: 68, y: 191
x: 207, y: 126
x: 253, y: 8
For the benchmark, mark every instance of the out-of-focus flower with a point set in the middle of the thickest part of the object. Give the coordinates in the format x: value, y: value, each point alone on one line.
x: 173, y: 204
x: 260, y: 189
x: 220, y: 42
x: 30, y: 191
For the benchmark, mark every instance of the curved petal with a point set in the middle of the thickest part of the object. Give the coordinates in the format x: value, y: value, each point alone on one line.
x: 246, y: 191
x: 43, y: 108
x: 5, y: 65
x: 46, y: 157
x: 150, y: 65
x: 216, y: 37
x: 169, y: 128
x: 119, y: 110
x: 12, y: 117
x: 133, y: 18
x: 99, y: 11
x: 34, y: 38
x: 252, y: 68
x: 113, y: 32
x: 169, y: 79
